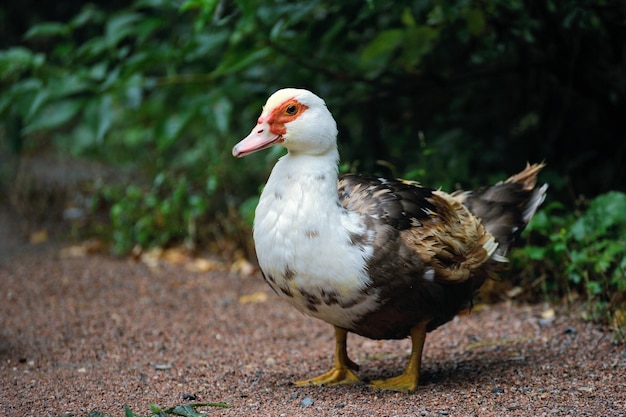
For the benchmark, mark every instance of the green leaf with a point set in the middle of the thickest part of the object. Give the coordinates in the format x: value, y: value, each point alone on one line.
x: 575, y: 277
x: 475, y: 21
x: 375, y: 56
x: 407, y: 17
x: 579, y: 230
x: 535, y: 252
x: 128, y: 412
x: 98, y: 71
x: 206, y: 6
x: 54, y: 115
x: 222, y: 110
x: 418, y: 42
x: 68, y: 84
x: 47, y: 30
x: 40, y: 98
x: 146, y: 27
x: 97, y: 413
x: 185, y: 410
x: 93, y: 48
x: 219, y: 404
x: 541, y: 223
x: 236, y: 63
x: 89, y: 15
x: 594, y: 287
x: 105, y: 116
x: 247, y: 209
x: 14, y: 61
x: 26, y: 86
x: 171, y: 128
x: 120, y: 26
x: 605, y: 211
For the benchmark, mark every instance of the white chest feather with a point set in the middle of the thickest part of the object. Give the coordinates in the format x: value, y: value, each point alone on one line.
x: 302, y: 239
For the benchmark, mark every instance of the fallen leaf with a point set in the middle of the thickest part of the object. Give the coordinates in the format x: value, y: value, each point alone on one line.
x: 548, y: 314
x: 151, y: 257
x: 514, y: 292
x: 38, y: 237
x: 619, y: 321
x: 175, y: 255
x: 242, y: 267
x: 206, y: 265
x: 257, y: 297
x: 76, y: 251
x: 84, y: 248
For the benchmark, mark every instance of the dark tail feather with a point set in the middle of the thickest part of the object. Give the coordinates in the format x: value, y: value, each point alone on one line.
x: 506, y: 207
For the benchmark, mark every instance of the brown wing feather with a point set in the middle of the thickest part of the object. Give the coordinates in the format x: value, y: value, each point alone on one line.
x: 506, y: 207
x: 438, y: 231
x: 397, y: 203
x: 451, y: 240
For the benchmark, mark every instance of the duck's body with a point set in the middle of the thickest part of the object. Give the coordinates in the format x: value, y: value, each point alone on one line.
x: 382, y: 258
x: 302, y: 238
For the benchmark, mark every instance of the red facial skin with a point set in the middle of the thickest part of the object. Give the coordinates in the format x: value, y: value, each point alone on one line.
x: 287, y: 112
x: 270, y: 128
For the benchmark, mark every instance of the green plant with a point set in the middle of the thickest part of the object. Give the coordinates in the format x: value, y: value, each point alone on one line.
x: 136, y: 88
x: 184, y: 410
x: 448, y: 92
x: 165, y: 213
x: 581, y: 252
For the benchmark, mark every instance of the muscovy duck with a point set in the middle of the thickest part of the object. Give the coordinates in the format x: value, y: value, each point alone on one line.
x: 383, y: 258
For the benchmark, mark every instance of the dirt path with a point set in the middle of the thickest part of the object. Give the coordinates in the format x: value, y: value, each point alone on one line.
x: 79, y: 333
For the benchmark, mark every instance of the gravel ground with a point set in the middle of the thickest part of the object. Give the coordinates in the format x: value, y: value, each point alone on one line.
x: 82, y: 333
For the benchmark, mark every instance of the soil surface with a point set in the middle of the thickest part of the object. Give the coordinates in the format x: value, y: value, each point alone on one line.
x: 82, y: 332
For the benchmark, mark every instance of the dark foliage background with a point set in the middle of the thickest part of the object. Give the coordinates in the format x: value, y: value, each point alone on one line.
x: 449, y: 93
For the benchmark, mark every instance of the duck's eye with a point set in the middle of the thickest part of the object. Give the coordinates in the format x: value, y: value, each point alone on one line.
x: 291, y: 109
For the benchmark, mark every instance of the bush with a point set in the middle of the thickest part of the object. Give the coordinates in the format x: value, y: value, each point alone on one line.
x: 137, y: 88
x: 581, y: 253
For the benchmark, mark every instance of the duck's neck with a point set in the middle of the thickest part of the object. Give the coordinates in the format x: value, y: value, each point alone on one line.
x: 311, y: 180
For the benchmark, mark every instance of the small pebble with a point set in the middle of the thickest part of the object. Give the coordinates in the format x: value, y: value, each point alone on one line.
x: 189, y: 397
x: 497, y: 390
x: 569, y: 330
x: 544, y: 322
x: 162, y: 367
x: 307, y: 402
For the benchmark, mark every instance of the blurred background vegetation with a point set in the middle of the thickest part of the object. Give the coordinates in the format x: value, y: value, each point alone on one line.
x: 118, y: 118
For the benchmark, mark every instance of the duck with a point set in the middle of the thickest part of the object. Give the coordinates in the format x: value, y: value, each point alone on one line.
x: 383, y: 258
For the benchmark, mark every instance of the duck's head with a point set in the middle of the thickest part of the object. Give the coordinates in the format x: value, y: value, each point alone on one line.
x: 296, y: 119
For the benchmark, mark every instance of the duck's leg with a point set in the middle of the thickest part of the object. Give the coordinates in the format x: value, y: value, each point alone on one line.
x: 343, y: 367
x: 409, y: 380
